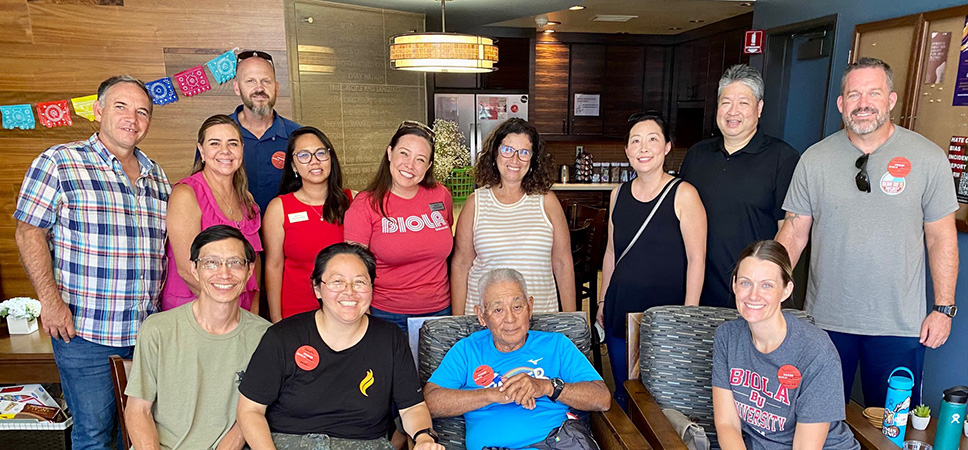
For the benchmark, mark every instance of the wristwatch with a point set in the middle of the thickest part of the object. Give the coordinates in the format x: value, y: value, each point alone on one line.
x: 558, y: 384
x: 429, y: 432
x: 948, y: 310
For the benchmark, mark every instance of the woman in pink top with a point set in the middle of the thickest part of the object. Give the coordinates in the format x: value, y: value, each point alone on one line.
x: 216, y: 193
x: 405, y: 218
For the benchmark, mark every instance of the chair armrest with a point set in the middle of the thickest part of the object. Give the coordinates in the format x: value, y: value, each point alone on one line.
x: 647, y: 416
x: 869, y: 437
x: 613, y: 430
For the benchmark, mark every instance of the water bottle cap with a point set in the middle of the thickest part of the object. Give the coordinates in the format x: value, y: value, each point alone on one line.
x: 957, y: 394
x: 901, y: 382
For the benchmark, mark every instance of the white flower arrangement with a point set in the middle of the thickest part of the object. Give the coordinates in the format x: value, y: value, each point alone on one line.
x: 450, y: 152
x: 24, y: 308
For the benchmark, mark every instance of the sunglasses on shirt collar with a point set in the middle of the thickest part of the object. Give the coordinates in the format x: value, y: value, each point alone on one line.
x: 862, y: 180
x: 246, y: 54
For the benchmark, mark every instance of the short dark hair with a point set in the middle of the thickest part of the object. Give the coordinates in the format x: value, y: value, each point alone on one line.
x: 869, y: 63
x: 541, y: 172
x: 770, y: 251
x: 217, y: 233
x: 118, y: 79
x: 652, y: 115
x: 342, y: 248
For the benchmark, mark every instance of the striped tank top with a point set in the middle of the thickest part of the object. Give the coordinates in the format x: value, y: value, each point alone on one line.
x: 517, y: 236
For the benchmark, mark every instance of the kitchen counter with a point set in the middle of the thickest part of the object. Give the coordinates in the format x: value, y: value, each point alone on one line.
x: 584, y: 186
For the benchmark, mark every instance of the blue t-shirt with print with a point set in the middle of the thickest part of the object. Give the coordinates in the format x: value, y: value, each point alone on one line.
x: 475, y: 363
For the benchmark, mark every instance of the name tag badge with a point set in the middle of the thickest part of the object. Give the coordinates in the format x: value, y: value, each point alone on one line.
x: 437, y: 206
x: 298, y: 217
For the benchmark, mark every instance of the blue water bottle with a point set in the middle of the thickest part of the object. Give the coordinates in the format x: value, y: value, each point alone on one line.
x: 896, y: 405
x: 951, y: 418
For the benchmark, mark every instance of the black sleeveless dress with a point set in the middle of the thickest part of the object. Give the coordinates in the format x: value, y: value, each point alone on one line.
x: 653, y: 273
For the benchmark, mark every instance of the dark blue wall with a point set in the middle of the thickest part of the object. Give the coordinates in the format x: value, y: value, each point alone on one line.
x: 948, y: 365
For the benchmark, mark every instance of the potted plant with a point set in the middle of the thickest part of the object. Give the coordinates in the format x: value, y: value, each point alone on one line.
x: 920, y: 417
x: 452, y: 160
x: 21, y: 314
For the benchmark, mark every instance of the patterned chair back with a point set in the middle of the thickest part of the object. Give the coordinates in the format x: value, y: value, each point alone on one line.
x: 676, y: 358
x: 438, y: 336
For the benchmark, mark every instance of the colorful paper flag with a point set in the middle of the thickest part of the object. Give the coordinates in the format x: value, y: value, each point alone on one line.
x: 17, y: 116
x: 223, y: 67
x: 193, y: 81
x: 54, y: 114
x: 162, y: 91
x: 84, y: 106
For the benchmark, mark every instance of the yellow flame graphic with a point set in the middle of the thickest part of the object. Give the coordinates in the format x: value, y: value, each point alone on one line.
x: 366, y: 383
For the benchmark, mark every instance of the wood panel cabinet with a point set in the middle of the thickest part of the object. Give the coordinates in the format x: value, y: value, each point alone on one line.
x: 624, y: 87
x: 587, y: 77
x: 549, y: 107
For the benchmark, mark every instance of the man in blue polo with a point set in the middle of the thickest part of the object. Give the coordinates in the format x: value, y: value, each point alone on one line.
x: 264, y: 132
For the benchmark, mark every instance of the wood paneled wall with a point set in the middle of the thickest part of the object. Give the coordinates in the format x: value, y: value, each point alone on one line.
x: 59, y: 49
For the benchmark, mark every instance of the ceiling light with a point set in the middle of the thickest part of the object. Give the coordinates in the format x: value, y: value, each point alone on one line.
x: 613, y: 18
x: 696, y: 21
x: 552, y: 22
x: 549, y: 31
x: 443, y: 52
x: 576, y: 8
x: 675, y: 28
x: 746, y: 4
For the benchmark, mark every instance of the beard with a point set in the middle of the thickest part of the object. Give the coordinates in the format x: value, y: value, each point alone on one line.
x: 263, y: 110
x: 880, y: 118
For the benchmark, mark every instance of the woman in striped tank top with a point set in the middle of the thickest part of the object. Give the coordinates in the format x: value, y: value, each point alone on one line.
x: 514, y: 221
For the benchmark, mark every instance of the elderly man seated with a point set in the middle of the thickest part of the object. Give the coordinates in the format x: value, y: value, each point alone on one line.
x: 189, y: 361
x: 513, y: 386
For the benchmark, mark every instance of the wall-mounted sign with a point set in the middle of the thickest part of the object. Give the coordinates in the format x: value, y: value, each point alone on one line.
x: 961, y: 82
x: 958, y: 157
x: 937, y: 57
x: 753, y: 43
x: 587, y: 104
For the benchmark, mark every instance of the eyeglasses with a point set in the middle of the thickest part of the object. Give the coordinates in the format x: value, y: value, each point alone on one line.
x: 305, y: 157
x: 414, y: 124
x: 244, y: 55
x: 862, y: 180
x: 234, y: 264
x: 508, y: 152
x: 337, y: 286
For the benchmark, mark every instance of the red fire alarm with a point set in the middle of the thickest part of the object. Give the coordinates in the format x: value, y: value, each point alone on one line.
x: 753, y: 43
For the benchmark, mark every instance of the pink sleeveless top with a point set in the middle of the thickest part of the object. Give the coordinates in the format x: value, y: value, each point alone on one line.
x: 176, y: 292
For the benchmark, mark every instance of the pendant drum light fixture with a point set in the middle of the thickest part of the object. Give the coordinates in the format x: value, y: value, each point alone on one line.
x: 443, y: 52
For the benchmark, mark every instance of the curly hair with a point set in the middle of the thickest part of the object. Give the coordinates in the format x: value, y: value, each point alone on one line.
x: 541, y: 172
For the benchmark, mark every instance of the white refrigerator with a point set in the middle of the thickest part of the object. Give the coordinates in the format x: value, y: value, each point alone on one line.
x: 477, y: 115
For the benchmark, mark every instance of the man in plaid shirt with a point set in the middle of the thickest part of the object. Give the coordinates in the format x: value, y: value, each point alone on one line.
x: 91, y: 234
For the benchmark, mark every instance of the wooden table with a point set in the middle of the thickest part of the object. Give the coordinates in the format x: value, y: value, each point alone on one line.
x: 871, y: 438
x: 26, y: 358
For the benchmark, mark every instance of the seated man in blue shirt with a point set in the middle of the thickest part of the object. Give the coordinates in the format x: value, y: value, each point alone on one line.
x: 509, y: 378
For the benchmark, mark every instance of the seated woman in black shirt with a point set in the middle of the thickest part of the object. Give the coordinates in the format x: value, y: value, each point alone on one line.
x: 328, y: 378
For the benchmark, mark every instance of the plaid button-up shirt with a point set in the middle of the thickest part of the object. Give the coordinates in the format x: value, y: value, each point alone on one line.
x: 107, y: 237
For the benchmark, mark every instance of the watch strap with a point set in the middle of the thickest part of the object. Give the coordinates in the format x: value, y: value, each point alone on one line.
x: 948, y: 310
x: 558, y: 384
x: 428, y: 431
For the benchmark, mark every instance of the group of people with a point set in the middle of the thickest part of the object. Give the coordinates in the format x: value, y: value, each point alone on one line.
x: 98, y: 225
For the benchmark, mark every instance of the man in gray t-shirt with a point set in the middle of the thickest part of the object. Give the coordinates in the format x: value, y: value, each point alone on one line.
x: 875, y: 194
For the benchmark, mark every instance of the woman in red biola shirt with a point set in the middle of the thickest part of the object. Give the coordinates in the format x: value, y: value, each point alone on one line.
x: 404, y: 216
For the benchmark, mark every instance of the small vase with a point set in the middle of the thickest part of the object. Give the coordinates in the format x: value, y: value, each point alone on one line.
x: 920, y: 423
x: 21, y: 326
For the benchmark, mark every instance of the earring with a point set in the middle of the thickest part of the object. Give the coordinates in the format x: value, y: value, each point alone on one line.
x: 296, y: 173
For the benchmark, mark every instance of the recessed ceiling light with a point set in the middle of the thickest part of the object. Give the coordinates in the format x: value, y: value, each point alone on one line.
x: 746, y: 4
x: 552, y: 22
x: 696, y: 21
x: 613, y: 18
x: 549, y: 31
x: 675, y: 28
x: 576, y: 8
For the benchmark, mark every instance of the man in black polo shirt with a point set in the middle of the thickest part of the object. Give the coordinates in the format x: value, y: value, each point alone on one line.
x: 742, y: 178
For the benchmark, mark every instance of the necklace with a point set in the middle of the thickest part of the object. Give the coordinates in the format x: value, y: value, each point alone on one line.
x: 228, y: 205
x: 313, y: 207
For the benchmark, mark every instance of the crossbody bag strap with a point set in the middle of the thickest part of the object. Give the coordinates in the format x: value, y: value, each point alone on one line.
x: 648, y: 219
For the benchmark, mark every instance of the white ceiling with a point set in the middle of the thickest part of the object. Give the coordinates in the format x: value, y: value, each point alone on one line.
x: 654, y: 16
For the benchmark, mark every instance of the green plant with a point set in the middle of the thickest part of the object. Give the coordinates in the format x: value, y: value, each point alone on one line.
x: 922, y: 410
x: 450, y: 152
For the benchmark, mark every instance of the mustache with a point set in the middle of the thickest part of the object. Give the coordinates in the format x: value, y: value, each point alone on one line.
x: 866, y: 109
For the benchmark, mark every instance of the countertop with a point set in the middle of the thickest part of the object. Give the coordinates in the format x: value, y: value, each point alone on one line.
x: 584, y: 186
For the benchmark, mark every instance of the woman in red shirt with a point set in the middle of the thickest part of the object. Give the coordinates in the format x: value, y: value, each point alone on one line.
x: 404, y: 216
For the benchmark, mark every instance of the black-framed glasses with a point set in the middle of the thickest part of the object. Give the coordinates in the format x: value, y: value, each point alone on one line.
x: 234, y: 264
x: 246, y: 54
x: 306, y: 157
x: 508, y: 152
x: 863, y: 181
x: 417, y: 125
x: 338, y: 286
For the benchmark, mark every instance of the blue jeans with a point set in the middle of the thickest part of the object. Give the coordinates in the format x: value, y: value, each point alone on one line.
x: 85, y: 374
x: 878, y: 356
x: 400, y: 320
x: 618, y: 359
